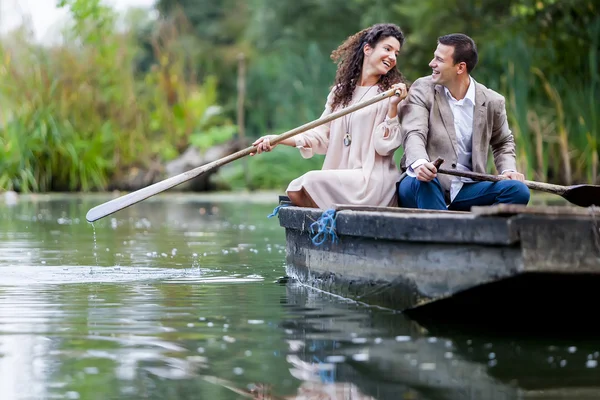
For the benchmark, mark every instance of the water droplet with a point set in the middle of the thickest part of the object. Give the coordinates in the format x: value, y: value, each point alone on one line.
x: 360, y: 357
x: 229, y: 339
x: 563, y: 363
x: 427, y: 367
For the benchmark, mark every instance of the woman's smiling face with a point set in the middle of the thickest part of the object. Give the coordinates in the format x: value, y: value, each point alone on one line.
x: 382, y: 58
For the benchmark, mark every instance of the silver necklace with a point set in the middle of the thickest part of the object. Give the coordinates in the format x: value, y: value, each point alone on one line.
x: 348, y: 136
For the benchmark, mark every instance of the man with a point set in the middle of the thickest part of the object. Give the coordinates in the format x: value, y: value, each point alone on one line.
x: 451, y: 116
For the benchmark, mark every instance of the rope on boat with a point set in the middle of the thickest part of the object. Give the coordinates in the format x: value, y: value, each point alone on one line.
x: 276, y: 209
x: 327, y: 375
x: 324, y: 228
x: 320, y: 230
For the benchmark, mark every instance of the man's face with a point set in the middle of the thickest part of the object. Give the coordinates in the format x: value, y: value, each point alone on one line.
x: 444, y: 70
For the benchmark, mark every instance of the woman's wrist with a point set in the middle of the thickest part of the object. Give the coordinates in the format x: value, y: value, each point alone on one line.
x: 392, y: 112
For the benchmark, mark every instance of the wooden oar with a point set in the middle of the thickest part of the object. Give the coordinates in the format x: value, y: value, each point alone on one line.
x: 127, y: 200
x: 581, y: 195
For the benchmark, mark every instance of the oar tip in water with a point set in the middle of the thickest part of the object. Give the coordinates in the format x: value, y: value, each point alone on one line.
x: 93, y: 215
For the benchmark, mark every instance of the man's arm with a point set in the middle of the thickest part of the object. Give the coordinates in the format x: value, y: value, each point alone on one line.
x: 414, y: 116
x: 502, y: 140
x: 414, y: 121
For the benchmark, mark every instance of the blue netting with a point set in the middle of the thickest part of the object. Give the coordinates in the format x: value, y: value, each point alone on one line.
x: 276, y: 210
x: 324, y: 228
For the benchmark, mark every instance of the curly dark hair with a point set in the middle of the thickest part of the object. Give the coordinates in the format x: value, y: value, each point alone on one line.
x: 349, y: 56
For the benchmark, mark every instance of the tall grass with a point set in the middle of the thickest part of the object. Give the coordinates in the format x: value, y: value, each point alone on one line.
x: 554, y: 117
x: 76, y: 116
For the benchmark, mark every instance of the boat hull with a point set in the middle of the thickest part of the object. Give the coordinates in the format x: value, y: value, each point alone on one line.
x: 405, y: 259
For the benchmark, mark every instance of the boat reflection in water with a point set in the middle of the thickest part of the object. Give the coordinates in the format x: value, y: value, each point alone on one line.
x: 343, y: 350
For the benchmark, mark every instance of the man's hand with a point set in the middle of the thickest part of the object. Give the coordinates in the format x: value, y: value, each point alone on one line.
x: 517, y: 176
x: 426, y: 172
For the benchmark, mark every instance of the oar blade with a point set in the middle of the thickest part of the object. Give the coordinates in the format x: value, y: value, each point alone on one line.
x: 583, y: 195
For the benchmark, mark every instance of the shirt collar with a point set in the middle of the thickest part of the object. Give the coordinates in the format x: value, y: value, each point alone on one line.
x: 470, y: 93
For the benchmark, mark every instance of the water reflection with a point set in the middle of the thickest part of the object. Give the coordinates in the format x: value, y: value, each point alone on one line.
x: 175, y: 299
x: 386, y: 356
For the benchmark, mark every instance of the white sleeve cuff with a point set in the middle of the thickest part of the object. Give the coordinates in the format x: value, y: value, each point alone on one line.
x: 410, y: 171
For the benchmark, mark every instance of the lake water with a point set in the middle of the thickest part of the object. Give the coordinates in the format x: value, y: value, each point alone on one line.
x: 177, y: 298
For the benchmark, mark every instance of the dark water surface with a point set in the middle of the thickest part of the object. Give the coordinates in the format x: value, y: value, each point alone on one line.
x: 175, y: 298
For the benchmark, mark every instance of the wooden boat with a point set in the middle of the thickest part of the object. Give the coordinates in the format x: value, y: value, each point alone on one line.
x: 492, y: 261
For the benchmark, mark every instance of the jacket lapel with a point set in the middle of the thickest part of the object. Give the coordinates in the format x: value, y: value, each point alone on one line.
x: 479, y: 121
x: 447, y: 116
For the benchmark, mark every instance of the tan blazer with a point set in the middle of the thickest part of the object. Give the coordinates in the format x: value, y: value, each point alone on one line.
x: 428, y: 129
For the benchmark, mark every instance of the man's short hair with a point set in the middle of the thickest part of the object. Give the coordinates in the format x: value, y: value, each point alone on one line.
x: 465, y: 49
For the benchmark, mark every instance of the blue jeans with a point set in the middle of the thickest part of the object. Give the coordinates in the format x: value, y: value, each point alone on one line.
x: 413, y: 193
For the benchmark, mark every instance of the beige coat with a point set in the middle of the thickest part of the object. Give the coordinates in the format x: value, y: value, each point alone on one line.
x: 427, y: 126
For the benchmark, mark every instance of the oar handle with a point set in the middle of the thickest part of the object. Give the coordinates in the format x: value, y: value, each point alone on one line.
x: 332, y: 116
x: 477, y: 176
x: 127, y: 200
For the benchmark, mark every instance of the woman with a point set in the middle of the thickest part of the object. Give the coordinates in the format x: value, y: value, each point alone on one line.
x: 358, y: 168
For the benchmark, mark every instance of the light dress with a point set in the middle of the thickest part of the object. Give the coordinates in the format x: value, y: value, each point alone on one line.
x: 363, y: 173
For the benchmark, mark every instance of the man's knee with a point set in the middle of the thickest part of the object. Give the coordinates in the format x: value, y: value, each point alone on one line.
x: 522, y: 194
x: 405, y: 187
x: 412, y: 191
x: 517, y: 191
x: 410, y: 186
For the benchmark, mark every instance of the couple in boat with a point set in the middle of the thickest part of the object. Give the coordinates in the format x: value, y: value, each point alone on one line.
x: 446, y: 114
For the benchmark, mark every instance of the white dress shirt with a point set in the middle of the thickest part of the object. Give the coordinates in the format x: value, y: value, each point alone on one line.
x: 462, y: 110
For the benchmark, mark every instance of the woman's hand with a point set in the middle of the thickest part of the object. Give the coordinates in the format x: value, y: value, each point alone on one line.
x: 263, y: 144
x: 401, y: 94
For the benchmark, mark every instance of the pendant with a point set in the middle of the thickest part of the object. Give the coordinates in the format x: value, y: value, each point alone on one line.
x: 347, y: 139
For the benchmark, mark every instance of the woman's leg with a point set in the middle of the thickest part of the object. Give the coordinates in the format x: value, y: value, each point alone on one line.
x: 301, y: 199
